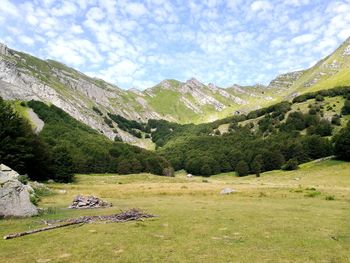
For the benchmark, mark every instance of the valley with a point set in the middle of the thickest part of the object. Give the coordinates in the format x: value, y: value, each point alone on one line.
x: 174, y: 131
x: 300, y: 215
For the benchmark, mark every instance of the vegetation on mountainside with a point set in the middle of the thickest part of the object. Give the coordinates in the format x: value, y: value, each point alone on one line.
x: 24, y: 151
x: 281, y: 134
x: 131, y: 126
x: 89, y: 151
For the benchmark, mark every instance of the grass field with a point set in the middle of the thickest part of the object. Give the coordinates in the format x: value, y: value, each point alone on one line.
x: 297, y: 216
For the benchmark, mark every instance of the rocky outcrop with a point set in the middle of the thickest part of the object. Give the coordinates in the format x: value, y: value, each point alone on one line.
x: 8, y: 171
x: 81, y: 202
x: 3, y: 49
x: 14, y: 196
x: 285, y: 81
x: 347, y: 51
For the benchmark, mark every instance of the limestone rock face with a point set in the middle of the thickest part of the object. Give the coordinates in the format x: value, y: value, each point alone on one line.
x: 8, y: 171
x: 3, y: 49
x: 14, y: 197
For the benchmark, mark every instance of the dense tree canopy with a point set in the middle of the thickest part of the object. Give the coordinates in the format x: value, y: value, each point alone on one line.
x: 20, y: 148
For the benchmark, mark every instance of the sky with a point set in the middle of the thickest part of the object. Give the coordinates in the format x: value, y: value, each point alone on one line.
x: 137, y: 44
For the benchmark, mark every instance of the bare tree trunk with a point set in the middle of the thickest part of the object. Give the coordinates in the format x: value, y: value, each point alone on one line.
x: 40, y: 230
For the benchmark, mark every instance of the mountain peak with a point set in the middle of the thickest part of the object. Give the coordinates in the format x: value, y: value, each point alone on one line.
x: 193, y: 82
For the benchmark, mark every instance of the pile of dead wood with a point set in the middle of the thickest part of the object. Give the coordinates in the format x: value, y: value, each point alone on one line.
x: 129, y: 215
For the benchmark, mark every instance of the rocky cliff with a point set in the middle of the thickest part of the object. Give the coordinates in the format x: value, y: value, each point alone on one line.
x: 25, y: 77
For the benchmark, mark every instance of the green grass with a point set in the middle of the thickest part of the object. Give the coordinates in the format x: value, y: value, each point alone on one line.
x: 178, y: 110
x: 269, y: 219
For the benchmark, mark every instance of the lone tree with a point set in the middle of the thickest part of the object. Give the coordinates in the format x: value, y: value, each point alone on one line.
x: 342, y: 144
x: 256, y: 165
x: 242, y: 168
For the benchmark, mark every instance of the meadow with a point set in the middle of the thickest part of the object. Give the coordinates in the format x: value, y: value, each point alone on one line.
x: 294, y: 216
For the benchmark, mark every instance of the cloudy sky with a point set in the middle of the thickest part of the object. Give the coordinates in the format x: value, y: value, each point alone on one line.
x: 140, y: 43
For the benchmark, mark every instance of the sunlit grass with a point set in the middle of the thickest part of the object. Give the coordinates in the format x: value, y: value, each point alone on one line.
x: 274, y: 218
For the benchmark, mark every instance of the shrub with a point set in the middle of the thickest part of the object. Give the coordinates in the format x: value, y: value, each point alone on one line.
x: 319, y: 97
x: 242, y: 168
x: 336, y: 120
x: 313, y: 194
x: 97, y: 110
x: 23, y: 179
x: 330, y: 197
x: 291, y: 164
x: 346, y: 108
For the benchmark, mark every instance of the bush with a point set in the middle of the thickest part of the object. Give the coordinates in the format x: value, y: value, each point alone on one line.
x: 291, y: 164
x: 346, y: 108
x: 336, y: 120
x: 97, y: 110
x: 242, y: 168
x: 330, y: 197
x: 23, y: 179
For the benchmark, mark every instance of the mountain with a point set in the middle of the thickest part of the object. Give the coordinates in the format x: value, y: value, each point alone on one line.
x: 90, y: 100
x: 332, y: 71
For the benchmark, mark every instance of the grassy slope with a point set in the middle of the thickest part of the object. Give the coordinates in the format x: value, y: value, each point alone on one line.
x: 336, y: 102
x: 269, y: 219
x: 339, y: 77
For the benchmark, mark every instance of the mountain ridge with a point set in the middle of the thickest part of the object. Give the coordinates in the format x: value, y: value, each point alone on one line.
x: 26, y: 77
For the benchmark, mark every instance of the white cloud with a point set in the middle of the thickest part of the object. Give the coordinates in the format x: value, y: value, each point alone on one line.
x: 8, y: 8
x: 136, y: 43
x: 304, y: 39
x: 136, y: 9
x: 261, y: 6
x: 77, y: 29
x: 95, y: 13
x: 26, y: 40
x: 65, y: 9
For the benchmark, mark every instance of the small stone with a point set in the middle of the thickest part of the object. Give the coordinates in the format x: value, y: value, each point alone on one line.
x: 227, y: 191
x: 42, y: 260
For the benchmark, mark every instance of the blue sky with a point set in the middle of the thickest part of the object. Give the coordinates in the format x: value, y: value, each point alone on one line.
x: 140, y: 43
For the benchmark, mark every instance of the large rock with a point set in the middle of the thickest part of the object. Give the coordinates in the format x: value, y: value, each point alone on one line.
x: 15, y: 197
x: 8, y: 171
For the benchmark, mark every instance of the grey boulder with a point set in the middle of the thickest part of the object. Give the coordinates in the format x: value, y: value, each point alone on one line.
x: 15, y: 198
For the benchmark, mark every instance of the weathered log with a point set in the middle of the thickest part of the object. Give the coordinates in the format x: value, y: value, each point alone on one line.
x: 10, y: 236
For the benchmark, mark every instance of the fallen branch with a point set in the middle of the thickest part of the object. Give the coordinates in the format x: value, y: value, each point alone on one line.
x: 38, y: 230
x: 130, y: 215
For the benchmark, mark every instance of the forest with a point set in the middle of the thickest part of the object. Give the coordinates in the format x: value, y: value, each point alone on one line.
x: 275, y: 137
